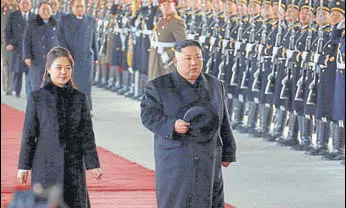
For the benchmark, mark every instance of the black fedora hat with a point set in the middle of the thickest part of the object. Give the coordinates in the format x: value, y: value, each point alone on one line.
x: 202, y: 121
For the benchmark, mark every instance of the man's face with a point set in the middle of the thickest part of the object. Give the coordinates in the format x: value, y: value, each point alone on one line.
x: 78, y: 8
x: 45, y: 11
x: 167, y: 7
x: 234, y: 8
x: 266, y: 11
x: 55, y: 5
x: 322, y: 18
x: 336, y: 17
x: 304, y: 16
x: 257, y: 9
x: 25, y: 5
x: 189, y: 62
x: 10, y: 2
x: 291, y: 12
x: 275, y: 13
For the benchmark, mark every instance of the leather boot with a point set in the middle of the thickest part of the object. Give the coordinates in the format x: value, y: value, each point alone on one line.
x: 252, y: 118
x: 142, y: 83
x: 230, y: 107
x: 239, y: 108
x: 125, y: 86
x: 279, y: 122
x: 338, y: 135
x: 267, y: 118
x: 322, y: 133
x: 305, y: 129
x: 292, y: 138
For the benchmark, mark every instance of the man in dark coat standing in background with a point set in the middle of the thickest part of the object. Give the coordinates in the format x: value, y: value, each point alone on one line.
x: 55, y: 9
x: 39, y: 37
x: 7, y: 7
x: 187, y: 112
x: 77, y: 33
x: 14, y: 32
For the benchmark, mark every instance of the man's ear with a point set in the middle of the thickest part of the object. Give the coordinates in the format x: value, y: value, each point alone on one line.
x: 175, y: 61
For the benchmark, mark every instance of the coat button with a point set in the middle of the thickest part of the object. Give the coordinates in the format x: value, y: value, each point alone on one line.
x: 196, y: 158
x: 166, y: 136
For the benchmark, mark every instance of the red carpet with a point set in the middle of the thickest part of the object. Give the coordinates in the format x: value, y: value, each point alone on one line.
x: 125, y: 184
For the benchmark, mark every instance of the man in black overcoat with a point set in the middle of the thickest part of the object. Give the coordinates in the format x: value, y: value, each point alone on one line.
x: 187, y: 112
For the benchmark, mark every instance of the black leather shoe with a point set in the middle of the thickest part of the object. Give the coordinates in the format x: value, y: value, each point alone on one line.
x: 300, y: 147
x: 340, y: 157
x: 288, y: 142
x: 95, y: 83
x: 244, y: 129
x: 318, y: 152
x: 8, y: 93
x: 330, y: 156
x: 270, y: 138
x: 236, y: 124
x: 258, y: 133
x: 129, y: 94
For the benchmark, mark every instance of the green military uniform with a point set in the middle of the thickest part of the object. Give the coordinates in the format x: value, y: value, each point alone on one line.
x: 168, y: 30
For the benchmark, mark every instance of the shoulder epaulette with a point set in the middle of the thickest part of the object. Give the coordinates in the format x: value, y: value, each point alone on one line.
x: 176, y: 16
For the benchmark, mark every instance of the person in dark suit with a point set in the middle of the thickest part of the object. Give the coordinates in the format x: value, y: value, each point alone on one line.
x: 40, y: 36
x: 58, y: 141
x: 14, y: 32
x: 7, y: 7
x: 77, y: 33
x: 55, y: 10
x: 188, y: 158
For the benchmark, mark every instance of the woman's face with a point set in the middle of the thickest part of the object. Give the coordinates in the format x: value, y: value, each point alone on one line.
x: 60, y: 71
x: 45, y: 11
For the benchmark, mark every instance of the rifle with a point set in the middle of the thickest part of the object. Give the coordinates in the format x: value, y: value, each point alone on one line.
x: 249, y: 51
x: 192, y: 31
x: 106, y: 29
x: 270, y: 87
x: 213, y: 42
x: 286, y: 81
x: 225, y: 43
x: 237, y: 53
x: 312, y: 96
x: 256, y: 85
x: 300, y: 93
x: 204, y: 29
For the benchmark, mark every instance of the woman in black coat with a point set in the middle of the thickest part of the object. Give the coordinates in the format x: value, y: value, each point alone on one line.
x: 58, y: 141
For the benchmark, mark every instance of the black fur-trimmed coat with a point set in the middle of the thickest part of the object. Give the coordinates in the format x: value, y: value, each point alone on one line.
x: 58, y: 141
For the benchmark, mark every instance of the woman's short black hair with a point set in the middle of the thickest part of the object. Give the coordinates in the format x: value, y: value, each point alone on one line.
x: 185, y: 43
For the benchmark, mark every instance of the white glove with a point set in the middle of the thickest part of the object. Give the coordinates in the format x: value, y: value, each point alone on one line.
x: 304, y: 55
x: 225, y: 43
x: 237, y: 45
x: 212, y: 40
x: 289, y: 53
x: 260, y: 49
x: 164, y: 57
x: 316, y: 58
x: 250, y: 47
x: 202, y: 39
x: 275, y: 51
x: 190, y: 36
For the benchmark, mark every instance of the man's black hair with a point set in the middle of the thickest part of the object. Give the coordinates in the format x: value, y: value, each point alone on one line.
x: 185, y: 43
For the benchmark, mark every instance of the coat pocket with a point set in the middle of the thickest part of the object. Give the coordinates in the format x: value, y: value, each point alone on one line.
x: 164, y: 143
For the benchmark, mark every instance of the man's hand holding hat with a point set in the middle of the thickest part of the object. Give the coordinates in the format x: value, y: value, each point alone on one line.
x: 181, y: 126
